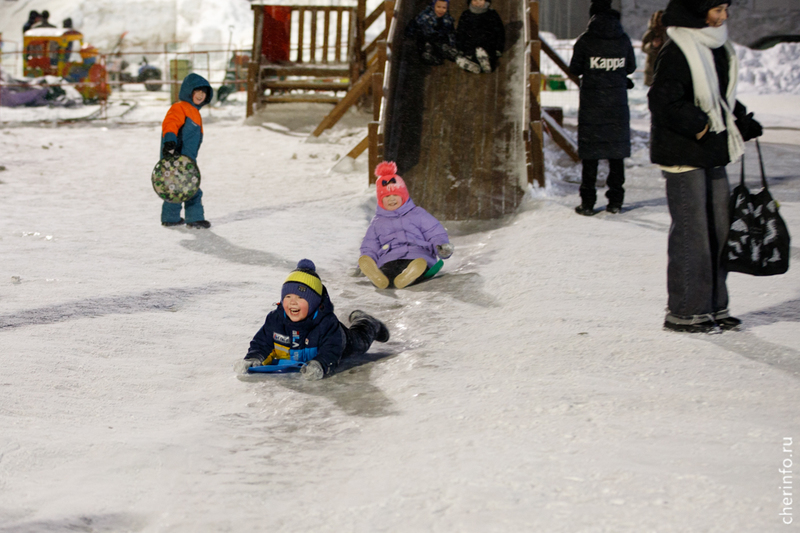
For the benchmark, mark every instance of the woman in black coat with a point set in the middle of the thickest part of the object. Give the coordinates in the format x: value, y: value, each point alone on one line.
x: 697, y: 128
x: 603, y: 57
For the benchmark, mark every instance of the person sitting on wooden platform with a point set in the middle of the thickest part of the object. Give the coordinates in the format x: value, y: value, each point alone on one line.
x: 480, y: 38
x: 435, y: 33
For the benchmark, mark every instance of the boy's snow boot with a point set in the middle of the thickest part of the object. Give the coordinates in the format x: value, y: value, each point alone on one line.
x: 381, y: 331
x: 170, y: 224
x: 585, y: 210
x: 613, y: 208
x: 199, y: 224
x: 408, y: 276
x: 468, y: 65
x: 371, y: 270
x: 483, y: 59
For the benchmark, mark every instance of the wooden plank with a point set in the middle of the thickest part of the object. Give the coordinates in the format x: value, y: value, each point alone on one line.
x: 537, y: 153
x: 313, y: 52
x: 536, y: 56
x: 353, y: 46
x: 301, y: 13
x: 535, y: 82
x: 372, y: 17
x: 374, y: 44
x: 326, y: 71
x: 325, y: 34
x: 361, y: 16
x: 373, y: 129
x: 360, y: 147
x: 377, y: 95
x: 359, y: 89
x: 308, y: 85
x: 338, y: 50
x: 306, y: 98
x: 253, y: 72
x: 552, y: 54
x: 533, y: 13
x: 389, y: 6
x: 560, y: 136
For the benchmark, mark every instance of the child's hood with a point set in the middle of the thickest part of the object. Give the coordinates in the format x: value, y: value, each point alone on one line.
x: 190, y: 83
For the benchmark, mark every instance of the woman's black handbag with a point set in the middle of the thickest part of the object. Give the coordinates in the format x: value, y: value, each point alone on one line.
x: 758, y: 240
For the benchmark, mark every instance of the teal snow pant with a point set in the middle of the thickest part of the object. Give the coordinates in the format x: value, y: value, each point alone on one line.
x: 171, y: 213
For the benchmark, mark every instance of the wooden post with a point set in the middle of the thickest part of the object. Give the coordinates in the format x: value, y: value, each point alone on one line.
x: 325, y: 36
x: 301, y: 12
x: 361, y: 40
x: 313, y: 58
x: 374, y: 156
x: 338, y: 48
x: 535, y: 139
x: 377, y: 95
x: 388, y: 5
x: 536, y: 172
x: 254, y: 66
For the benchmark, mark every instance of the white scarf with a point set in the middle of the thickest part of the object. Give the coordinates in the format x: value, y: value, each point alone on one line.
x: 696, y: 45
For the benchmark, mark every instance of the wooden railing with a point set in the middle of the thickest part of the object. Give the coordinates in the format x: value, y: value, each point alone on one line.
x: 340, y: 44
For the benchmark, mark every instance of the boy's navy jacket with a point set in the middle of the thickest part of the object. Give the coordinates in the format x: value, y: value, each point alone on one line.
x: 183, y: 124
x: 603, y: 57
x: 319, y: 336
x: 408, y: 232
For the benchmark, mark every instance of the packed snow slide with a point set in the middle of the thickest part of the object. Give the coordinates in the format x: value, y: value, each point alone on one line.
x: 457, y: 137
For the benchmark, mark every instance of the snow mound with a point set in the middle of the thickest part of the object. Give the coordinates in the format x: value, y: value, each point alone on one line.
x: 771, y: 71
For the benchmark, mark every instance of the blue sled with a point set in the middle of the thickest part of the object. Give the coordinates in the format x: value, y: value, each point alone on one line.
x: 280, y: 366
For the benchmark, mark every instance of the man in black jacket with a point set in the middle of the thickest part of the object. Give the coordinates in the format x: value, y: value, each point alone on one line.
x: 697, y: 128
x: 603, y: 58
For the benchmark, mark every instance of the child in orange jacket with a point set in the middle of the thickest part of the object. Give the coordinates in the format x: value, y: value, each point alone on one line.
x: 182, y: 134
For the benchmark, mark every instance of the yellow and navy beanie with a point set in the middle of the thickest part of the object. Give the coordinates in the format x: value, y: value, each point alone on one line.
x: 305, y: 283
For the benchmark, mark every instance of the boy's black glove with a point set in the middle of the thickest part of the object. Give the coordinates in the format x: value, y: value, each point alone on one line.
x: 169, y: 149
x: 630, y: 83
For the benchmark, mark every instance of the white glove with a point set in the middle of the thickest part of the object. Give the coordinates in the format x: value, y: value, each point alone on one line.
x: 445, y: 250
x: 242, y: 365
x: 312, y: 371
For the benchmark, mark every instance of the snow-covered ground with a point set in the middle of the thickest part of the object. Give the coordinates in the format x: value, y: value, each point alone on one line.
x: 529, y: 387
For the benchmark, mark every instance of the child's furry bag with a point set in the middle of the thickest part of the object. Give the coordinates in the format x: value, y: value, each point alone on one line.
x: 758, y: 240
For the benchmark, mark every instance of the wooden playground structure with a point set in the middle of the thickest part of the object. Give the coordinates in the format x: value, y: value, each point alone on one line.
x: 467, y: 145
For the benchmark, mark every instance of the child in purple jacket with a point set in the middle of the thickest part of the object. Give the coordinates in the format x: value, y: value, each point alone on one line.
x: 403, y: 240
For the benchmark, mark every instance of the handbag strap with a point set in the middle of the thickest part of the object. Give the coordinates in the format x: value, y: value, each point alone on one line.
x: 761, y: 163
x: 741, y: 174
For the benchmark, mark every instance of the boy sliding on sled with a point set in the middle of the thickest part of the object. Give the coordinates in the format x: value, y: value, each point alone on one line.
x: 303, y: 328
x: 403, y: 240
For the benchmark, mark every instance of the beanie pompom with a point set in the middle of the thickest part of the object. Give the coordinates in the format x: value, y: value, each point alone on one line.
x: 306, y: 264
x: 386, y: 168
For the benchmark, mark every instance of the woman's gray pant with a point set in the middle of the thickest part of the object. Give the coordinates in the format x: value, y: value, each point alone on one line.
x: 698, y: 203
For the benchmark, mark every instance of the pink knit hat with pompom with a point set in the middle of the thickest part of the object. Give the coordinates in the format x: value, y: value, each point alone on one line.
x: 389, y: 182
